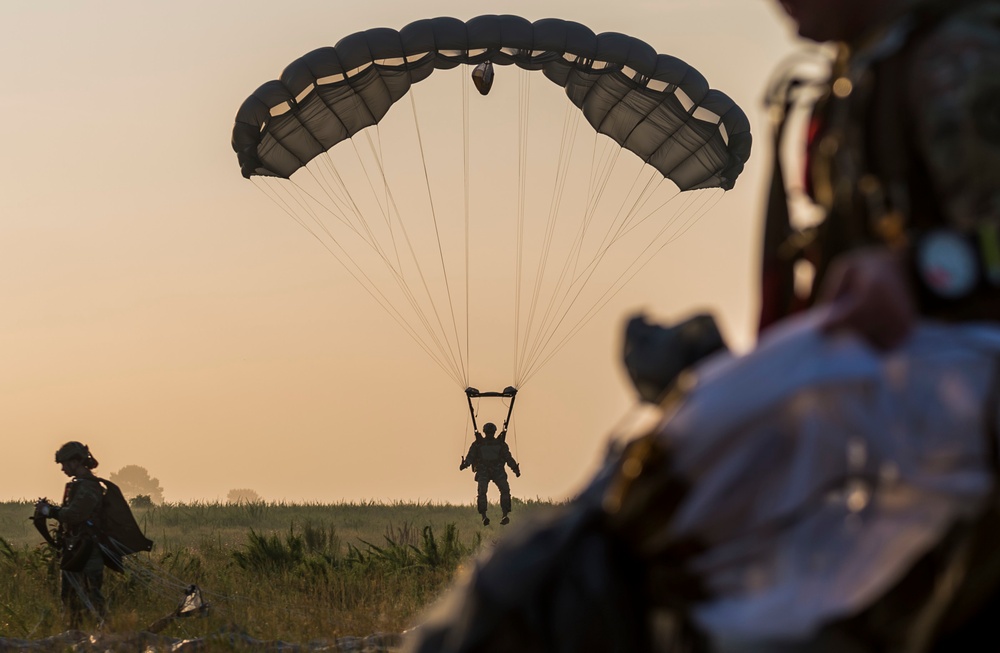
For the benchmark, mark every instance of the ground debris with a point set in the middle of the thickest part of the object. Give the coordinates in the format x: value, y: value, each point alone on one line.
x: 228, y: 640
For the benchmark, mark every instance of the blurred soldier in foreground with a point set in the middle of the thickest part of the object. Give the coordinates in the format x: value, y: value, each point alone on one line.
x: 488, y: 456
x: 836, y: 489
x: 79, y: 531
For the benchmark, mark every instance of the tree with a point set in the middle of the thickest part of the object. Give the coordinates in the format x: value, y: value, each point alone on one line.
x: 242, y: 495
x: 141, y: 501
x: 135, y: 480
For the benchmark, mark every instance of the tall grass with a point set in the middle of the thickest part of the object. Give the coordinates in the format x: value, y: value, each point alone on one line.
x: 276, y: 571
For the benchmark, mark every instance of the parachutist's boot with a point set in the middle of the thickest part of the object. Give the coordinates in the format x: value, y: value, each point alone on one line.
x: 486, y: 520
x: 505, y: 520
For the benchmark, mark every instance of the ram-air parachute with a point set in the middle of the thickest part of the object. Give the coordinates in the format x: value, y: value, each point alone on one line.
x: 464, y: 208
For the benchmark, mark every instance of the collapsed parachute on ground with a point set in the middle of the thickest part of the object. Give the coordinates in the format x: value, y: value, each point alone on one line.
x: 301, y: 129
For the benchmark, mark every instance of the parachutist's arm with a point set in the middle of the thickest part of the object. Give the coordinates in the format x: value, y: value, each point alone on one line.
x: 470, y: 458
x: 509, y: 459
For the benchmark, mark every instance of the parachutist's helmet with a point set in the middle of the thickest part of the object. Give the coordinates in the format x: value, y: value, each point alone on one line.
x: 74, y: 449
x: 489, y: 428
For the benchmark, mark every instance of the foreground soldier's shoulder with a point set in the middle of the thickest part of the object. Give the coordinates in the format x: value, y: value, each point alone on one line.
x: 953, y: 93
x: 959, y: 46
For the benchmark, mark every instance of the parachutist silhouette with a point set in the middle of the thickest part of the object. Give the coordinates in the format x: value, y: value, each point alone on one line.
x: 488, y: 455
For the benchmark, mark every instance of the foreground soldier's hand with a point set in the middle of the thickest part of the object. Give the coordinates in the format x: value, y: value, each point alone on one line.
x: 868, y: 292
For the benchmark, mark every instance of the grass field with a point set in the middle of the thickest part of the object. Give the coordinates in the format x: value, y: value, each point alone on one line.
x: 274, y: 571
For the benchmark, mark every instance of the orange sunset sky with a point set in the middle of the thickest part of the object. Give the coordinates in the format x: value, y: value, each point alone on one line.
x: 156, y: 306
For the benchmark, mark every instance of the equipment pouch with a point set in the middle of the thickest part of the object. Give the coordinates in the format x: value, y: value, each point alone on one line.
x: 76, y: 553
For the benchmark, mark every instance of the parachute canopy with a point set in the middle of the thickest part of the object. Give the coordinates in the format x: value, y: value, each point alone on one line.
x: 653, y: 105
x: 466, y: 216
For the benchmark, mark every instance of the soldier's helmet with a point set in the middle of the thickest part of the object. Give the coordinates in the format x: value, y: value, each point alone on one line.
x: 489, y: 428
x: 74, y: 449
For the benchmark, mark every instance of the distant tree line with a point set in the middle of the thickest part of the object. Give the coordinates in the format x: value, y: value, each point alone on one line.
x: 144, y: 491
x: 242, y: 495
x: 135, y: 481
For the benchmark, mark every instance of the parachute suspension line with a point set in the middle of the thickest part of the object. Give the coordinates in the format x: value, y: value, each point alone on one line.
x: 626, y: 276
x: 446, y: 353
x: 561, y: 174
x: 512, y: 429
x: 356, y: 272
x: 326, y: 164
x: 81, y: 594
x: 690, y: 198
x: 466, y: 173
x: 401, y: 279
x: 622, y: 218
x: 373, y: 243
x: 570, y: 123
x: 282, y: 203
x: 612, y: 290
x: 547, y: 331
x: 160, y: 582
x: 712, y: 198
x: 605, y: 297
x: 386, y: 195
x: 307, y: 209
x: 383, y: 208
x: 322, y: 187
x: 628, y: 216
x: 638, y: 223
x: 437, y: 234
x: 347, y: 198
x: 521, y: 182
x: 389, y: 201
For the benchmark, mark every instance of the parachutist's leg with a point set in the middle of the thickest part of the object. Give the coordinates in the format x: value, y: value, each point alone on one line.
x: 484, y: 484
x: 504, y: 488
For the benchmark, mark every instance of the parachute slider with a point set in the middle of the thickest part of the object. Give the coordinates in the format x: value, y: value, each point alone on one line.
x: 482, y: 77
x: 509, y: 391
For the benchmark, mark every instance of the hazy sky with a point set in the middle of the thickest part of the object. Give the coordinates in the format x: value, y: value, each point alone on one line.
x: 156, y: 306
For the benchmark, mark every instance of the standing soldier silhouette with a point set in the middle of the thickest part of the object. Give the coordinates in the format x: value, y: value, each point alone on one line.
x: 488, y: 455
x: 79, y: 530
x: 96, y: 530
